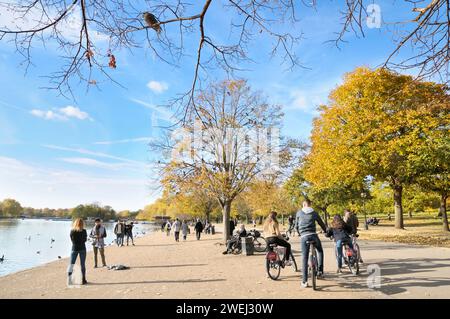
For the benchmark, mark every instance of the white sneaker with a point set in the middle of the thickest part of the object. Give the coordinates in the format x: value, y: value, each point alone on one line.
x: 69, y: 280
x: 304, y: 285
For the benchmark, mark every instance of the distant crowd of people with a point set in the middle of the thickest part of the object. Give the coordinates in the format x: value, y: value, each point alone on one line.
x: 176, y: 227
x: 123, y: 230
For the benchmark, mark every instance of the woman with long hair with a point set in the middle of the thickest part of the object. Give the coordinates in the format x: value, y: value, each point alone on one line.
x: 78, y: 236
x: 273, y: 235
x: 340, y: 232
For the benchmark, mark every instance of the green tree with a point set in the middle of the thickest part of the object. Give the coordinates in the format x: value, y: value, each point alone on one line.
x: 377, y: 123
x: 11, y: 208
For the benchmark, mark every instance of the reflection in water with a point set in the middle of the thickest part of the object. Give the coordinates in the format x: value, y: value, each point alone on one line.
x: 31, y: 242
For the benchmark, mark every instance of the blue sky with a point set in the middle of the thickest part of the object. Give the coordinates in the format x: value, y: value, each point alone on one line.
x: 57, y: 152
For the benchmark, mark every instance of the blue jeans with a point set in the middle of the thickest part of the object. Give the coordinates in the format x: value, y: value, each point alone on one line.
x: 73, y: 259
x: 339, y: 245
x: 119, y: 239
x: 305, y: 254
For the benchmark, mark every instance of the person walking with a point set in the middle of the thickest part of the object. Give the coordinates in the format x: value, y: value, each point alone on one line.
x: 129, y: 232
x: 119, y: 230
x: 198, y: 228
x: 184, y: 229
x: 167, y: 228
x: 98, y: 234
x: 306, y: 219
x: 78, y: 236
x: 176, y: 226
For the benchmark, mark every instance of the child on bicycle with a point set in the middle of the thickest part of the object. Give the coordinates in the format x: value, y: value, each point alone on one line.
x: 340, y: 231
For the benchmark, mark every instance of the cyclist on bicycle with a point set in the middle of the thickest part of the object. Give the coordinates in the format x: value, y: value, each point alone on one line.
x: 305, y: 222
x: 273, y: 236
x: 341, y: 235
x: 352, y: 220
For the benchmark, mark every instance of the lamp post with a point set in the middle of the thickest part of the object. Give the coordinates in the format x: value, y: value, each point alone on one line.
x: 363, y: 196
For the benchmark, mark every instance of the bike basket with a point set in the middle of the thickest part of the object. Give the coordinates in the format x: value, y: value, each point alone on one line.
x: 272, y: 256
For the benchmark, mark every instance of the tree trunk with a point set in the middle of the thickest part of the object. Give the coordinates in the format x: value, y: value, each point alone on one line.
x: 325, y: 217
x: 410, y: 214
x: 226, y: 208
x: 443, y: 212
x: 398, y: 189
x: 208, y: 213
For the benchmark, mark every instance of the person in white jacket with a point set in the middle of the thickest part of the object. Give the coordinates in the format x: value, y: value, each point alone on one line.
x: 176, y: 226
x: 184, y: 229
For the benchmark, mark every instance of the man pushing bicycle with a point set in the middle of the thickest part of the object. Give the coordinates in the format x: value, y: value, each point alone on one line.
x: 305, y: 222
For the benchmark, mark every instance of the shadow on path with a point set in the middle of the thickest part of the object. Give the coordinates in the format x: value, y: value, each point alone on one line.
x: 169, y: 266
x: 398, y: 275
x: 181, y: 281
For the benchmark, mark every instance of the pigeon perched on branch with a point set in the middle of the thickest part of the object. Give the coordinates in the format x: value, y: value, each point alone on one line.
x: 152, y: 21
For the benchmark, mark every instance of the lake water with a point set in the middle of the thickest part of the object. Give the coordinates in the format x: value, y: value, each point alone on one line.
x: 22, y: 253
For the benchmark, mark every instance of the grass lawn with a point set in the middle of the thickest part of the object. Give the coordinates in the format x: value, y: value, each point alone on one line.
x: 421, y: 229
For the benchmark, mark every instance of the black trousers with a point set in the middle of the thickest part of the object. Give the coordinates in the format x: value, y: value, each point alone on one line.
x: 281, y: 242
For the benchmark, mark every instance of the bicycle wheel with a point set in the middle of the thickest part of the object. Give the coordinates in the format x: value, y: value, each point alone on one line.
x: 273, y: 269
x: 260, y: 244
x: 358, y: 252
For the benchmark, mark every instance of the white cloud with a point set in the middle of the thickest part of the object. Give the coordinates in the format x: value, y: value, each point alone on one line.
x: 61, y: 114
x: 157, y: 87
x: 93, y: 163
x: 160, y: 113
x: 92, y: 153
x: 127, y: 140
x: 72, y: 111
x: 69, y: 27
x: 37, y: 186
x: 48, y: 115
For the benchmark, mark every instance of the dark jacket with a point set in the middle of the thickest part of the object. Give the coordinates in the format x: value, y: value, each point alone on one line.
x: 353, y: 222
x: 78, y: 239
x: 198, y: 227
x: 341, y: 233
x: 129, y: 230
x: 305, y: 221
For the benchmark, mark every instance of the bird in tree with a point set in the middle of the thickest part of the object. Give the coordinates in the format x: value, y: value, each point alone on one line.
x: 152, y: 21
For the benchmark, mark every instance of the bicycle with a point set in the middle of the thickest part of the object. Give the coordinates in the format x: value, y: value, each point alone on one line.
x: 351, y: 257
x: 356, y: 247
x: 275, y: 261
x: 259, y: 242
x: 313, y: 265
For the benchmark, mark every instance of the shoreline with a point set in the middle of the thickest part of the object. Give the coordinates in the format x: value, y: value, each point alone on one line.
x: 66, y: 257
x: 162, y: 268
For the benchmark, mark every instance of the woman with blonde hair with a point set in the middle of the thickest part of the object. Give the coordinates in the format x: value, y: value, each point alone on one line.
x: 273, y: 235
x: 78, y: 236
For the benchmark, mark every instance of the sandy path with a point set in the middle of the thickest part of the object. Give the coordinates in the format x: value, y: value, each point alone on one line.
x: 162, y: 268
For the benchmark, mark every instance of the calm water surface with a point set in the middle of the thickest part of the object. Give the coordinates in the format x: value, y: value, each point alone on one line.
x: 22, y: 253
